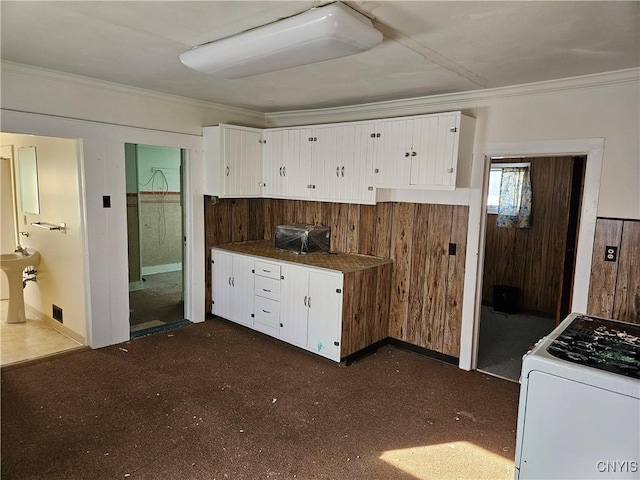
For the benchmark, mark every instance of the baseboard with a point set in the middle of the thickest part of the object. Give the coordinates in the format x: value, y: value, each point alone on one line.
x: 424, y: 351
x: 168, y: 267
x: 57, y: 326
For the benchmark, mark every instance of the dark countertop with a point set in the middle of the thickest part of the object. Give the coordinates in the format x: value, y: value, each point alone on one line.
x: 342, y: 262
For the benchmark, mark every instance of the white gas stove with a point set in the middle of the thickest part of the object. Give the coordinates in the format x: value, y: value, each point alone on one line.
x: 579, y: 408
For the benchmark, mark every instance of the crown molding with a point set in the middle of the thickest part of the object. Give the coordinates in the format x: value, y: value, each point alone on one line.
x: 22, y: 70
x: 448, y: 101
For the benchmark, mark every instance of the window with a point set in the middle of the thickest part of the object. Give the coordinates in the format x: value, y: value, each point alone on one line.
x: 495, y: 180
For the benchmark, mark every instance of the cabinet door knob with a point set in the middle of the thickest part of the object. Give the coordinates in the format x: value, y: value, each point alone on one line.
x: 309, y: 301
x: 227, y: 171
x: 284, y: 171
x: 305, y: 300
x: 413, y: 154
x: 342, y: 170
x: 337, y: 171
x: 280, y: 171
x: 406, y: 154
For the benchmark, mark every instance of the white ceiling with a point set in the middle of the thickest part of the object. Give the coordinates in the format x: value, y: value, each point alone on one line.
x: 429, y: 47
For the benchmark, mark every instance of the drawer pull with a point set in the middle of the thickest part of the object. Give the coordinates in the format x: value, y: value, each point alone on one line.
x: 266, y: 311
x: 265, y: 290
x: 266, y: 271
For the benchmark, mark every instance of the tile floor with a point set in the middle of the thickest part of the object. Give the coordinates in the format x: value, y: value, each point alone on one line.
x: 29, y: 340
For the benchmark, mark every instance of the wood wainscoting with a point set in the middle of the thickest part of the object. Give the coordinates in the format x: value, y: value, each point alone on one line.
x: 427, y: 281
x: 614, y: 288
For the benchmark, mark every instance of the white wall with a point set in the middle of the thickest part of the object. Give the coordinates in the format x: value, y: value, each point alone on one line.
x: 103, y: 117
x: 598, y: 106
x: 7, y: 224
x: 60, y: 278
x: 30, y: 89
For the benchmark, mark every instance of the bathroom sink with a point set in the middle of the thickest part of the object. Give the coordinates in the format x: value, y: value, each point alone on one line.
x: 12, y: 264
x: 17, y: 261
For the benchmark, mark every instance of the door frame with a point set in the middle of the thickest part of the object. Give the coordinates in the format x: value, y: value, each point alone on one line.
x: 101, y: 164
x: 593, y: 149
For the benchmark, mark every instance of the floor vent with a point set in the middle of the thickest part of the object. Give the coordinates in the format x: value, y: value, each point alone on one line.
x: 57, y: 313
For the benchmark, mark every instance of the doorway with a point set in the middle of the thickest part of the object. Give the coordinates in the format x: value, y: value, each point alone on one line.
x: 155, y: 237
x: 527, y: 281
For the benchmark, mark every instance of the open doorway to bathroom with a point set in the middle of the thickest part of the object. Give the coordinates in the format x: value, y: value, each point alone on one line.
x: 528, y: 272
x: 40, y: 189
x: 155, y: 237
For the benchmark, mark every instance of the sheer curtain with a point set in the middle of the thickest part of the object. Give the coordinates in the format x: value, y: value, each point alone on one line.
x: 514, y: 209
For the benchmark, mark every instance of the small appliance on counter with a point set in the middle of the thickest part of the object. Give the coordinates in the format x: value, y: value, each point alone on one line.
x: 301, y: 238
x: 579, y: 408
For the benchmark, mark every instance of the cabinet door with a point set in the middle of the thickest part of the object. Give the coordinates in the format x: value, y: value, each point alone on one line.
x: 424, y: 150
x: 358, y: 179
x: 242, y: 284
x: 294, y: 309
x: 242, y: 154
x: 448, y: 142
x: 297, y: 166
x: 434, y: 144
x: 287, y: 163
x: 274, y: 153
x: 232, y: 287
x: 222, y: 292
x: 325, y: 314
x: 393, y: 152
x: 327, y: 156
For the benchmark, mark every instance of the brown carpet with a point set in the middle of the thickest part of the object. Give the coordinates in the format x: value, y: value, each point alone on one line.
x: 217, y: 401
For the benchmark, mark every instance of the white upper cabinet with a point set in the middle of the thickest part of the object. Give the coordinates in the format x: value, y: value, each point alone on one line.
x: 233, y: 161
x: 287, y: 163
x: 421, y: 151
x: 342, y: 162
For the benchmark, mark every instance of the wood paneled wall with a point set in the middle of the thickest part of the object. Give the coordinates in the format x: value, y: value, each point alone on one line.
x: 614, y: 289
x: 532, y: 259
x: 427, y: 282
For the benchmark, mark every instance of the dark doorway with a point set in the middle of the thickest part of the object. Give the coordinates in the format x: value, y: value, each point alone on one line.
x: 155, y: 237
x: 528, y: 272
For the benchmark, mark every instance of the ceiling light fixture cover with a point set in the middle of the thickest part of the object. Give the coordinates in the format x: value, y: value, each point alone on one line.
x: 318, y: 34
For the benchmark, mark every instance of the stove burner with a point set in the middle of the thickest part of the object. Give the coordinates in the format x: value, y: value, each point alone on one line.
x: 604, y: 344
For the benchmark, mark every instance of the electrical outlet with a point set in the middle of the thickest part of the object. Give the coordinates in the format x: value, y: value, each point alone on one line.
x: 452, y: 249
x: 610, y: 253
x: 57, y: 313
x: 106, y: 201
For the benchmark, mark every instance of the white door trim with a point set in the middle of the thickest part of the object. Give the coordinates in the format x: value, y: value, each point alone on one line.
x: 593, y: 148
x: 101, y: 170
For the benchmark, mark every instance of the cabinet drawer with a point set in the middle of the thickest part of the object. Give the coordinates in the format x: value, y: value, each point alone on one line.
x: 265, y: 269
x: 267, y: 287
x: 267, y: 312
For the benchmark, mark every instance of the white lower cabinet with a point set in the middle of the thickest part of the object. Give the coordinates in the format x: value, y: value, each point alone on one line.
x: 233, y: 287
x: 311, y: 310
x: 299, y: 305
x: 324, y: 325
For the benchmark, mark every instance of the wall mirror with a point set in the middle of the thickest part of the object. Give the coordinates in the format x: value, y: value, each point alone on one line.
x: 28, y: 180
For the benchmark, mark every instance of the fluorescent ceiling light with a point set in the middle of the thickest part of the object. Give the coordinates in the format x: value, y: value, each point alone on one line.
x: 318, y: 34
